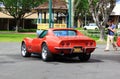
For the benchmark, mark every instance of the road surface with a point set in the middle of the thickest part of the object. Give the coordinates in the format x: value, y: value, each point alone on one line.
x: 102, y: 65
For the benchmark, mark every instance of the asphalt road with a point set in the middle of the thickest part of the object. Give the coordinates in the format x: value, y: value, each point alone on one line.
x: 102, y: 65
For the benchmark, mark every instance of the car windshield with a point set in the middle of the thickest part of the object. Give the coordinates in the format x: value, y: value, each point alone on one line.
x: 43, y: 33
x: 65, y: 33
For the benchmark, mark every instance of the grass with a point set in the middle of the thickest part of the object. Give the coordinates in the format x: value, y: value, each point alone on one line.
x: 17, y: 37
x: 14, y: 37
x: 11, y: 36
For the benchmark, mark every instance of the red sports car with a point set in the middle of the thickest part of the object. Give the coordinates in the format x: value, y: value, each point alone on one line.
x: 65, y: 42
x: 118, y: 41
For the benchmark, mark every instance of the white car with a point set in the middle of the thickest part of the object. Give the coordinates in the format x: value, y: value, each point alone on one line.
x: 91, y: 26
x: 118, y: 25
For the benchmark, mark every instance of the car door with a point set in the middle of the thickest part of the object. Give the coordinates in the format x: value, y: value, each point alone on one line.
x: 36, y: 45
x: 37, y: 42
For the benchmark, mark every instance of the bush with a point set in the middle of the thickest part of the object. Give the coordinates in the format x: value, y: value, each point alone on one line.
x: 79, y: 28
x: 27, y: 30
x: 93, y: 31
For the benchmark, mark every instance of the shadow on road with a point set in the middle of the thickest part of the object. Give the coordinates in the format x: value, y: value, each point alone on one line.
x: 96, y: 58
x: 63, y: 59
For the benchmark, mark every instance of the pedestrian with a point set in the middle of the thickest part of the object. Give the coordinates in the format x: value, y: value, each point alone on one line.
x: 110, y: 37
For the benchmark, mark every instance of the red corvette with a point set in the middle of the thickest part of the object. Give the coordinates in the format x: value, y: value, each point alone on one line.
x: 118, y: 41
x: 65, y: 42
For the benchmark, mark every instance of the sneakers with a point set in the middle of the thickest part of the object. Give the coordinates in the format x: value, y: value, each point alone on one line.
x: 115, y: 48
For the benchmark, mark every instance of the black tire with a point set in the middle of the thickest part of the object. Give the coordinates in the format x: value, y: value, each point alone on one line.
x: 96, y: 28
x: 84, y: 57
x: 24, y: 51
x: 46, y: 55
x: 85, y: 29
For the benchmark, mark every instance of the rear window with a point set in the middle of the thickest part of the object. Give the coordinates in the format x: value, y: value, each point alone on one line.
x: 65, y: 33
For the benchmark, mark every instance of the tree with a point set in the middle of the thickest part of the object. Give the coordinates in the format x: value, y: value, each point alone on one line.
x: 101, y: 8
x: 0, y: 6
x: 81, y: 9
x: 18, y: 8
x: 81, y: 6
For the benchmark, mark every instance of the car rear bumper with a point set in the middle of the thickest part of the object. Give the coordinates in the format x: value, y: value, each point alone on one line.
x: 83, y: 50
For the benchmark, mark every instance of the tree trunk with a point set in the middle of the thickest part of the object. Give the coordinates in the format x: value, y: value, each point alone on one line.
x: 17, y: 25
x: 102, y: 34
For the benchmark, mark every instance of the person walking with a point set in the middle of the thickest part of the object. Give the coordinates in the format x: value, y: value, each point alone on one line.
x: 110, y: 36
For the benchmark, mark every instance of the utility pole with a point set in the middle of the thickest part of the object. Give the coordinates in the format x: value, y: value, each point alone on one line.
x: 69, y: 13
x: 50, y: 13
x: 72, y: 13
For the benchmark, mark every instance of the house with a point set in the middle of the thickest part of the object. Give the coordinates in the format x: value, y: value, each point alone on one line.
x: 59, y: 15
x: 116, y: 13
x: 7, y: 22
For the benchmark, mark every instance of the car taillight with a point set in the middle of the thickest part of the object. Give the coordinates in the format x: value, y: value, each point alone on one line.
x: 62, y: 44
x: 86, y: 43
x: 65, y: 44
x: 68, y: 44
x: 89, y: 43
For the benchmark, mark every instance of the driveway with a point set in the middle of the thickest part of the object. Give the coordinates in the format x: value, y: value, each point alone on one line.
x: 102, y: 65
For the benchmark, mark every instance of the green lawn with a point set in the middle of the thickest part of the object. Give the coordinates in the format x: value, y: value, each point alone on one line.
x: 14, y: 37
x: 11, y: 36
x: 17, y: 37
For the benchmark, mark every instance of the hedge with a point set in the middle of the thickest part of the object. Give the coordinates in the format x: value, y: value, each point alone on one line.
x: 27, y: 30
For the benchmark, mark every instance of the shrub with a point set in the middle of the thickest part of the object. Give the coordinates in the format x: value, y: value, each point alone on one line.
x: 27, y: 30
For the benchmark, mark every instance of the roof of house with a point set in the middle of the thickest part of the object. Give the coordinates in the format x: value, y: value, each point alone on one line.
x: 27, y: 15
x: 116, y: 10
x: 31, y: 15
x: 3, y: 15
x: 56, y: 5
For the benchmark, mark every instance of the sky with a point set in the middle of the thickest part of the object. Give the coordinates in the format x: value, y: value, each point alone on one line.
x: 118, y: 1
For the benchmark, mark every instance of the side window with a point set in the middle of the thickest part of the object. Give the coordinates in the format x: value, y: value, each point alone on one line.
x: 44, y: 33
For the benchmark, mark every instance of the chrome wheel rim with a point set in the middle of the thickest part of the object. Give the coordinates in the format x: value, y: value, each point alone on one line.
x: 44, y: 53
x: 23, y: 50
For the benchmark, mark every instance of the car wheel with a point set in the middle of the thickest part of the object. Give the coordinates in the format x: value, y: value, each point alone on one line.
x: 46, y: 55
x: 96, y: 29
x: 84, y: 57
x: 85, y: 28
x: 24, y: 51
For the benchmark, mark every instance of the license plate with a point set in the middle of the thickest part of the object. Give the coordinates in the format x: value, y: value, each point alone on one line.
x: 77, y: 50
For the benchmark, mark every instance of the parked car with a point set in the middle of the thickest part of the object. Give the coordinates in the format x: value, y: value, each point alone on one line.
x: 65, y: 42
x: 91, y: 26
x: 118, y: 25
x: 118, y: 41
